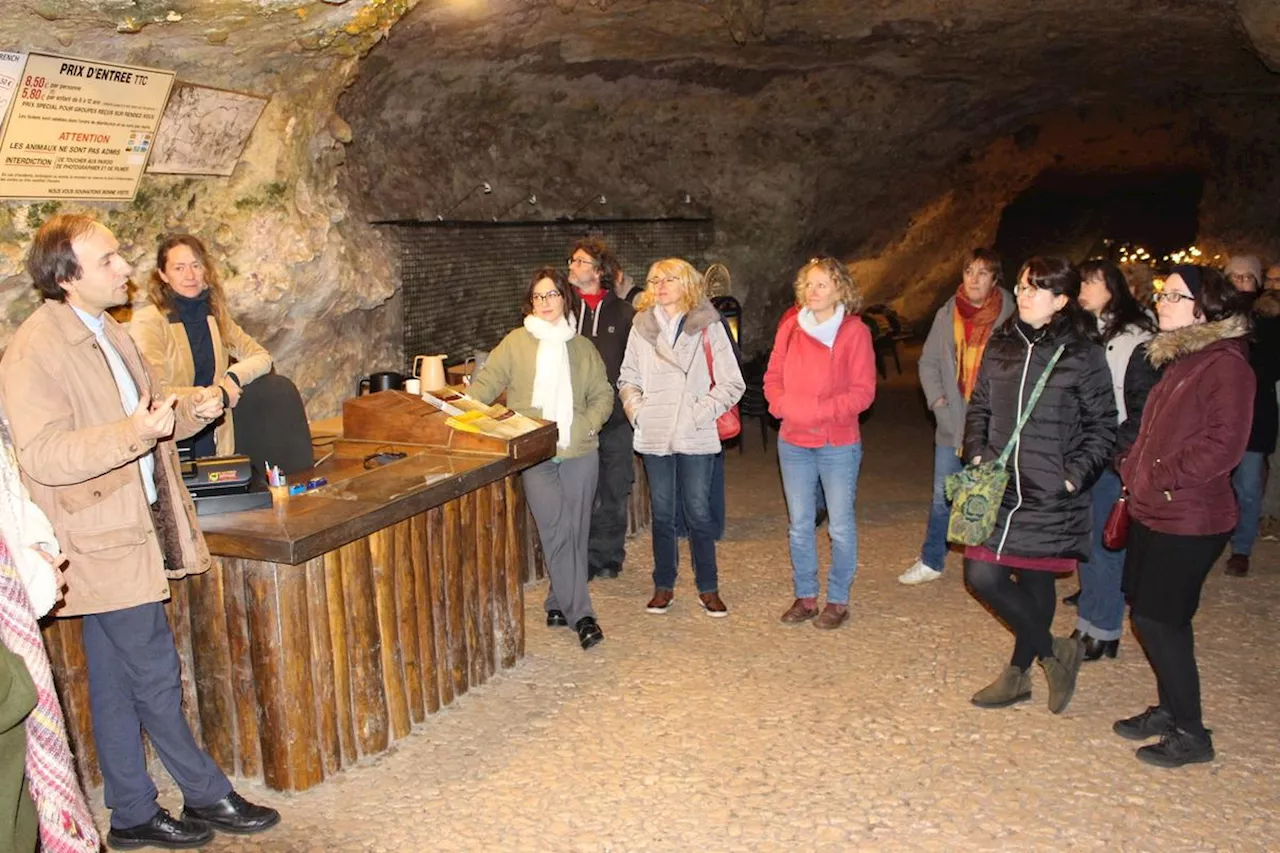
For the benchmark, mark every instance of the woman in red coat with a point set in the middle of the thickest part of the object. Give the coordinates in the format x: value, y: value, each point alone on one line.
x: 1194, y: 431
x: 821, y: 376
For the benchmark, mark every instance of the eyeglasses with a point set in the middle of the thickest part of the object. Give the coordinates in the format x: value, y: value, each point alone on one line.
x: 577, y: 262
x: 544, y: 298
x: 670, y: 279
x: 1173, y: 297
x: 1019, y: 289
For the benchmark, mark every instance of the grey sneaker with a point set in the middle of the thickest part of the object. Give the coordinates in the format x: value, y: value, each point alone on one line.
x: 1013, y: 686
x: 1061, y: 671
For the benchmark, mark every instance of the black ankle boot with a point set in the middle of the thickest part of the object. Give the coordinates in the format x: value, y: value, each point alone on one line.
x: 1095, y: 649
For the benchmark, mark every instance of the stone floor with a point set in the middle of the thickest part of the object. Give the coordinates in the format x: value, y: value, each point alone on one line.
x: 683, y: 733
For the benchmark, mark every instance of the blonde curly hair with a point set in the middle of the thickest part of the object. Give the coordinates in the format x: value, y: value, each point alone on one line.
x: 683, y: 271
x: 849, y: 293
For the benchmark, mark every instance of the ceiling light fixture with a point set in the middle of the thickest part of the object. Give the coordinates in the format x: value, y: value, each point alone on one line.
x: 483, y: 186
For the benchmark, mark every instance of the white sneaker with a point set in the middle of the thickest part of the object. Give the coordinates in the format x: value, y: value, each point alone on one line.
x: 918, y: 573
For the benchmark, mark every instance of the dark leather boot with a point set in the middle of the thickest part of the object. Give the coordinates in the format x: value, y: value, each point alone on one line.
x: 1095, y: 649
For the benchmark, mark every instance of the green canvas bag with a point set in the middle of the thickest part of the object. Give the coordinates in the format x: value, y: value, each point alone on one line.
x: 976, y: 491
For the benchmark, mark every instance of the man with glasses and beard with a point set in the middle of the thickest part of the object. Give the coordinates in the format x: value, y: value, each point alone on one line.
x: 606, y: 321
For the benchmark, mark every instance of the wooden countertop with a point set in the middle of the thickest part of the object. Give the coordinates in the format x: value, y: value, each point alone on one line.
x: 358, y: 501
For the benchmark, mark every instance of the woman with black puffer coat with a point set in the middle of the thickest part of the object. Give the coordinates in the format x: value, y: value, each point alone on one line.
x: 1045, y: 518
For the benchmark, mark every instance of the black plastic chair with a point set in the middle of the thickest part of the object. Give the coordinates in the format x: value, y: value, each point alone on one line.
x: 753, y: 403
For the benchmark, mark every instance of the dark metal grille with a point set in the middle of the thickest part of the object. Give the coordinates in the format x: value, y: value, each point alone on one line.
x: 463, y: 281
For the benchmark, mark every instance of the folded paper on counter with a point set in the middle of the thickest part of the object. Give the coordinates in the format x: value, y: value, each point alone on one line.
x: 470, y: 415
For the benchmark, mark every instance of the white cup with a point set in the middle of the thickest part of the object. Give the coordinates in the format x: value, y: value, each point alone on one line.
x: 413, y: 386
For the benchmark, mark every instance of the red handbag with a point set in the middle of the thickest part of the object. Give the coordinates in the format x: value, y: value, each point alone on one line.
x: 729, y: 424
x: 1115, y: 533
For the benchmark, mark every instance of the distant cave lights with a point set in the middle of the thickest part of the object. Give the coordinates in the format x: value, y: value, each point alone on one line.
x: 1126, y: 253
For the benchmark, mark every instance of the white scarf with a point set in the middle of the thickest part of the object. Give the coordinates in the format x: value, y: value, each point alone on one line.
x: 552, y: 384
x: 824, y: 332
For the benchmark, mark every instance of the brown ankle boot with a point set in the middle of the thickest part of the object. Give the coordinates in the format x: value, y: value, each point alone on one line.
x: 1013, y: 686
x: 1061, y: 671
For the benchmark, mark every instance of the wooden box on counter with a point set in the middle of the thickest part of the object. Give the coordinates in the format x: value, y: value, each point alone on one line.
x: 403, y: 418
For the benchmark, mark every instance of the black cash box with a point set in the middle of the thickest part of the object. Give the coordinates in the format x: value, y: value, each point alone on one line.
x: 224, y: 484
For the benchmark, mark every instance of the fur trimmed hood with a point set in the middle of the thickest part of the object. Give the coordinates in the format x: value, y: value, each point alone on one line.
x: 1167, y: 347
x: 699, y: 317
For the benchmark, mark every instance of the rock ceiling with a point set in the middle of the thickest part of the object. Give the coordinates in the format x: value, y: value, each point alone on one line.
x: 880, y: 129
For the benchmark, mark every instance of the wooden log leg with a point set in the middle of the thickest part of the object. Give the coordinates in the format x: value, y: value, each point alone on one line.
x: 280, y: 645
x: 368, y: 699
x: 518, y: 560
x: 211, y: 658
x: 248, y: 740
x: 382, y: 555
x: 324, y: 688
x: 505, y: 567
x: 407, y: 607
x: 484, y: 577
x: 471, y: 590
x: 420, y: 551
x: 457, y: 629
x: 178, y: 612
x: 336, y: 602
x: 438, y: 572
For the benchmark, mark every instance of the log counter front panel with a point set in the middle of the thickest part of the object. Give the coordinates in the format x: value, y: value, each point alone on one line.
x: 292, y: 672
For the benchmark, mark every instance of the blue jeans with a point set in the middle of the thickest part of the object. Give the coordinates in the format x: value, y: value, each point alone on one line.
x: 680, y: 488
x: 836, y: 467
x: 1247, y: 482
x: 1101, y: 601
x: 934, y: 551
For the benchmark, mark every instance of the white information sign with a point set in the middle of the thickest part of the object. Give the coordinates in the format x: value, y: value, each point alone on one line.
x: 10, y: 73
x: 204, y: 130
x: 80, y: 128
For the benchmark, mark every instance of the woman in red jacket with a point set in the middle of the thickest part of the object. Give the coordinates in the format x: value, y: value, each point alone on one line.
x: 1194, y: 431
x: 821, y: 376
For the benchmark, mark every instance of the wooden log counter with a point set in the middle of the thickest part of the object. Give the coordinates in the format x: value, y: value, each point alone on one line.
x: 335, y: 620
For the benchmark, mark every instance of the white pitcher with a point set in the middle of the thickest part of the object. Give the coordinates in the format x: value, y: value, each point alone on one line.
x: 430, y: 370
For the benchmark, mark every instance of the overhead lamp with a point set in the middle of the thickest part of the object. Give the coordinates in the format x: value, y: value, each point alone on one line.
x: 531, y: 199
x: 483, y: 186
x: 595, y: 199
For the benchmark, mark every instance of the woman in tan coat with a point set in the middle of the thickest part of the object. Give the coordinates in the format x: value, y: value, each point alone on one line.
x: 188, y: 336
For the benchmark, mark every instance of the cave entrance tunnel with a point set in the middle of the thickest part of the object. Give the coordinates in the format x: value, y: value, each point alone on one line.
x: 1078, y: 216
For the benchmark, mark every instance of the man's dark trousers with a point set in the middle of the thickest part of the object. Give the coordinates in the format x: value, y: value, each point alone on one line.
x: 606, y: 547
x: 135, y: 684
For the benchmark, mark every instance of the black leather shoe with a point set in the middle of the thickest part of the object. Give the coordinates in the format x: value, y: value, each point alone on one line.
x: 555, y: 619
x: 608, y: 572
x: 234, y: 814
x: 163, y: 830
x: 1072, y: 600
x: 1094, y: 649
x: 589, y: 632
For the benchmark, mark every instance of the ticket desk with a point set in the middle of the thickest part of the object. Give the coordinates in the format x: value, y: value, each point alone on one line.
x: 335, y: 620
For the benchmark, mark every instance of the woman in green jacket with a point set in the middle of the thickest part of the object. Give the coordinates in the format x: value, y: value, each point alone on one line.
x: 548, y: 371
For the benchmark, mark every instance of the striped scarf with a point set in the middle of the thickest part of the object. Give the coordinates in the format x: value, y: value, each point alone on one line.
x: 66, y: 824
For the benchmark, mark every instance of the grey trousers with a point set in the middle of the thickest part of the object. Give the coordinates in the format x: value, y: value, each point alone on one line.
x: 560, y: 495
x: 134, y: 684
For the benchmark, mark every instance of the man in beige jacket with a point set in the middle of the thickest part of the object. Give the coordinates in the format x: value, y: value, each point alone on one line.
x: 97, y: 453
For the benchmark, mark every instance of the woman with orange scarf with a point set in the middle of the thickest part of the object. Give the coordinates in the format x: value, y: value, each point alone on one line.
x: 948, y: 371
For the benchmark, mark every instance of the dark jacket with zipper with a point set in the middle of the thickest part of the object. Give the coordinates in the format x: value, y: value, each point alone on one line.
x: 1194, y: 430
x: 608, y: 326
x: 1140, y: 377
x: 1069, y: 436
x: 1264, y: 358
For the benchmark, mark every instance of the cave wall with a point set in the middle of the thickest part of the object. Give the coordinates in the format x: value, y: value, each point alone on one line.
x: 311, y: 284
